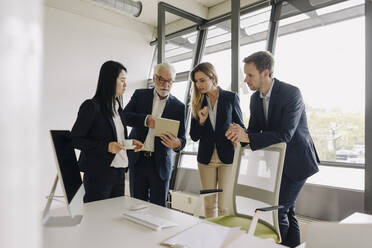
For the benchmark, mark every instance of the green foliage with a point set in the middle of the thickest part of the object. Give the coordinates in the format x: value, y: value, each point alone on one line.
x: 334, y: 130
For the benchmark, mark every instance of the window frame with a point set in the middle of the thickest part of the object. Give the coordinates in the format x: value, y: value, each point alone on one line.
x: 271, y: 46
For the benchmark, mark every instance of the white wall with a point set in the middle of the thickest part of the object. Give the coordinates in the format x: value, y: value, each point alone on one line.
x: 78, y: 38
x: 20, y: 84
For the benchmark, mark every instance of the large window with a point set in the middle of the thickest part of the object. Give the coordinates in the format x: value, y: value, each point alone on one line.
x: 326, y: 60
x: 327, y: 63
x: 321, y: 51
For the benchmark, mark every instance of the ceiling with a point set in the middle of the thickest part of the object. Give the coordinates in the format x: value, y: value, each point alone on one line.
x: 202, y: 8
x: 210, y: 3
x: 197, y: 7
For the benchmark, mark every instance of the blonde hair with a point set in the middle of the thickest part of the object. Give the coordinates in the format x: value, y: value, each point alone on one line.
x: 197, y: 98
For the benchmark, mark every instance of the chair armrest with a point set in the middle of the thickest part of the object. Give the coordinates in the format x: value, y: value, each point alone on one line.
x: 271, y: 208
x: 256, y: 217
x: 206, y: 191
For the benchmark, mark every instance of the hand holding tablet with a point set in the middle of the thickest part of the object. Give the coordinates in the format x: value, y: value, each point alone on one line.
x: 163, y: 125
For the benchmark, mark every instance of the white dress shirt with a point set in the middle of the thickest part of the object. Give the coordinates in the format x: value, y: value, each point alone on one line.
x: 158, y: 106
x: 121, y: 158
x: 212, y: 111
x: 266, y: 102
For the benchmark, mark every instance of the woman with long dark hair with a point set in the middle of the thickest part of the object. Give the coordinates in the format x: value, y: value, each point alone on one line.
x: 100, y: 135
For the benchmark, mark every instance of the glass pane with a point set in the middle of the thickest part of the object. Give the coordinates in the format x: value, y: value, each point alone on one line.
x: 191, y: 146
x: 294, y: 7
x: 330, y: 73
x: 183, y: 65
x: 222, y: 62
x: 179, y: 51
x: 333, y: 176
x: 178, y: 90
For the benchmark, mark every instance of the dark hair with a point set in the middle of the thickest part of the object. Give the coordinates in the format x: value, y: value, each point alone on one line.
x: 106, y: 87
x: 262, y: 60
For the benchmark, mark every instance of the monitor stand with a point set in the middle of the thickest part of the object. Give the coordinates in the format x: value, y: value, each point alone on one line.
x: 62, y: 221
x: 58, y: 221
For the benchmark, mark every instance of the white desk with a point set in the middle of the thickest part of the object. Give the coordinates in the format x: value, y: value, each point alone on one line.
x: 357, y: 218
x: 103, y: 226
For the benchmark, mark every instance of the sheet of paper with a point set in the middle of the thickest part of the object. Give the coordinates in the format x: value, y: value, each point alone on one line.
x: 144, y: 218
x: 253, y: 241
x: 203, y: 235
x: 163, y: 125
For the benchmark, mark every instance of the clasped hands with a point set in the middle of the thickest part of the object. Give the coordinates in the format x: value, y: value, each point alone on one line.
x: 115, y: 147
x: 167, y: 139
x: 236, y: 133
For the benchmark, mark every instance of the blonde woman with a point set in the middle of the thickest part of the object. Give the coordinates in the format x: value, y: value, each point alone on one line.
x: 213, y: 110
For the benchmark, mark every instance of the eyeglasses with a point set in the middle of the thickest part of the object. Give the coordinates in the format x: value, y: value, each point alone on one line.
x: 163, y: 81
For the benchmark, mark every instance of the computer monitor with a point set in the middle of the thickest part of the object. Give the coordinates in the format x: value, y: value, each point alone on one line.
x: 68, y: 175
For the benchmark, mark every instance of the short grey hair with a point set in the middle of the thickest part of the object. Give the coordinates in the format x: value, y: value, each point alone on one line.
x: 166, y: 66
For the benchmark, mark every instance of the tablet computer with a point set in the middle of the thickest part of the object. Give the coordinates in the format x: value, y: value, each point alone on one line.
x: 163, y: 125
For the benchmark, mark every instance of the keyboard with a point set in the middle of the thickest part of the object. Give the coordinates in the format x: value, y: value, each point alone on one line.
x: 148, y: 220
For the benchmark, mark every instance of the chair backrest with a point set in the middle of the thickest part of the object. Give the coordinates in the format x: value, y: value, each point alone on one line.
x: 257, y: 177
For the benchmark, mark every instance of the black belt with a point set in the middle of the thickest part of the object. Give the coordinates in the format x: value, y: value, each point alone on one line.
x: 147, y: 154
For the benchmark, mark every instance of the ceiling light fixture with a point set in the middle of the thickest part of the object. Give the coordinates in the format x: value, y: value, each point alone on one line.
x: 131, y: 7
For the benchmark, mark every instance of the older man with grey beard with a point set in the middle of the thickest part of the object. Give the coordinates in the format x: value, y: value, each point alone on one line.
x: 150, y: 169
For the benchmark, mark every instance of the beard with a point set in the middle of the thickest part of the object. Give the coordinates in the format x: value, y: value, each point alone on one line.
x: 162, y: 91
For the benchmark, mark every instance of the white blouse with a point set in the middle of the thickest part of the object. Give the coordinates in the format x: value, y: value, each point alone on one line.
x: 121, y: 158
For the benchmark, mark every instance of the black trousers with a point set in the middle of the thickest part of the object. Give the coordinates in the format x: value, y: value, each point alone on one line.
x: 104, y: 186
x: 288, y: 224
x: 148, y: 185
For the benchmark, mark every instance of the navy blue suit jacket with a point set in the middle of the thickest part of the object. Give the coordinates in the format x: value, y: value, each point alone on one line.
x: 139, y: 106
x: 228, y: 111
x: 91, y: 134
x: 287, y: 123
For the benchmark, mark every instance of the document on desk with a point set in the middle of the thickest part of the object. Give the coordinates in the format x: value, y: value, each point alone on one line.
x: 204, y: 235
x: 163, y: 125
x: 148, y: 220
x: 253, y: 241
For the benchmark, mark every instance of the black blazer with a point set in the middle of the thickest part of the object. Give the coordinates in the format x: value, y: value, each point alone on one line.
x: 91, y: 134
x: 134, y: 115
x: 287, y: 123
x: 228, y: 111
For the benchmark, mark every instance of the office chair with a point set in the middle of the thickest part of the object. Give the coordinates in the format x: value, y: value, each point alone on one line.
x: 254, y: 192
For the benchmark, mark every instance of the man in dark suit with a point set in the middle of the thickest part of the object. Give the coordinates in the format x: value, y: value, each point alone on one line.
x: 278, y: 115
x: 151, y: 168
